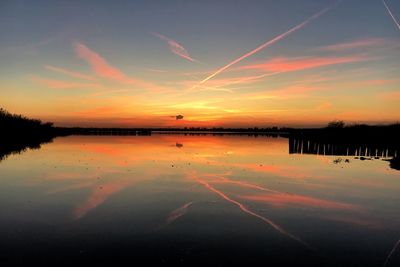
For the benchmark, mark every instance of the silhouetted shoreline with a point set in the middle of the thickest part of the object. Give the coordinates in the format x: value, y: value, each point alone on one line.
x: 19, y: 133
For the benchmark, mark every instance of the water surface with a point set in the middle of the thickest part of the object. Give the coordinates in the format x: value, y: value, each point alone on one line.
x: 192, y: 199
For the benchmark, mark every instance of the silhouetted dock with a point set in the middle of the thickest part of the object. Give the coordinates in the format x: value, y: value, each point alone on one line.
x: 307, y: 146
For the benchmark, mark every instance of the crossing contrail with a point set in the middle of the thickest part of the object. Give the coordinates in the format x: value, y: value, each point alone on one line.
x: 268, y: 43
x: 390, y: 13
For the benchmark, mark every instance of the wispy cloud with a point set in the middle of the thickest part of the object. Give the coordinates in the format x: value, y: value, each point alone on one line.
x: 175, y: 47
x: 282, y: 64
x: 31, y: 48
x: 156, y: 70
x: 289, y: 92
x: 70, y: 73
x: 268, y: 43
x: 356, y: 44
x: 60, y: 84
x: 391, y: 14
x: 99, y: 65
x: 103, y: 69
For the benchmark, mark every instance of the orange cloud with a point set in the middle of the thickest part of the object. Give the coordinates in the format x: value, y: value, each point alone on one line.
x: 282, y: 64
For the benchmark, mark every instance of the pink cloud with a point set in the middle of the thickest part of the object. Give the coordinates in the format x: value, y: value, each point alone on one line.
x: 98, y: 63
x: 282, y: 64
x: 175, y: 47
x: 70, y: 73
x: 104, y: 70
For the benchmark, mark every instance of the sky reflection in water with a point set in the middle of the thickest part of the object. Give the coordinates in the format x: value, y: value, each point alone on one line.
x: 190, y: 193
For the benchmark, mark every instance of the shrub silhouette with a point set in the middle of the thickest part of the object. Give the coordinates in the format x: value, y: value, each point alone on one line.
x: 336, y: 124
x: 13, y: 123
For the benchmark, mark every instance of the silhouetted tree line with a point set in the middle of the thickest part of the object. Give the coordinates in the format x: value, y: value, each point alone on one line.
x: 18, y: 133
x: 13, y: 123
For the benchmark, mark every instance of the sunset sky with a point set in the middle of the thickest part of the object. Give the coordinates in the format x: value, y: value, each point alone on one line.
x: 218, y: 63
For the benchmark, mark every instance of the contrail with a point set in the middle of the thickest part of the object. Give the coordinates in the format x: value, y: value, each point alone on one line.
x: 246, y: 210
x: 390, y: 13
x: 175, y: 47
x: 391, y: 253
x: 270, y: 42
x: 252, y: 78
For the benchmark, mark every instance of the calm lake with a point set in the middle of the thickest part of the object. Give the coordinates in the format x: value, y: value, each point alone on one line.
x: 196, y: 199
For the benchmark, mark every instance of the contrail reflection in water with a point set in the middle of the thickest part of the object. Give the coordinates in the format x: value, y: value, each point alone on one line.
x: 249, y: 212
x: 391, y: 253
x: 175, y: 214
